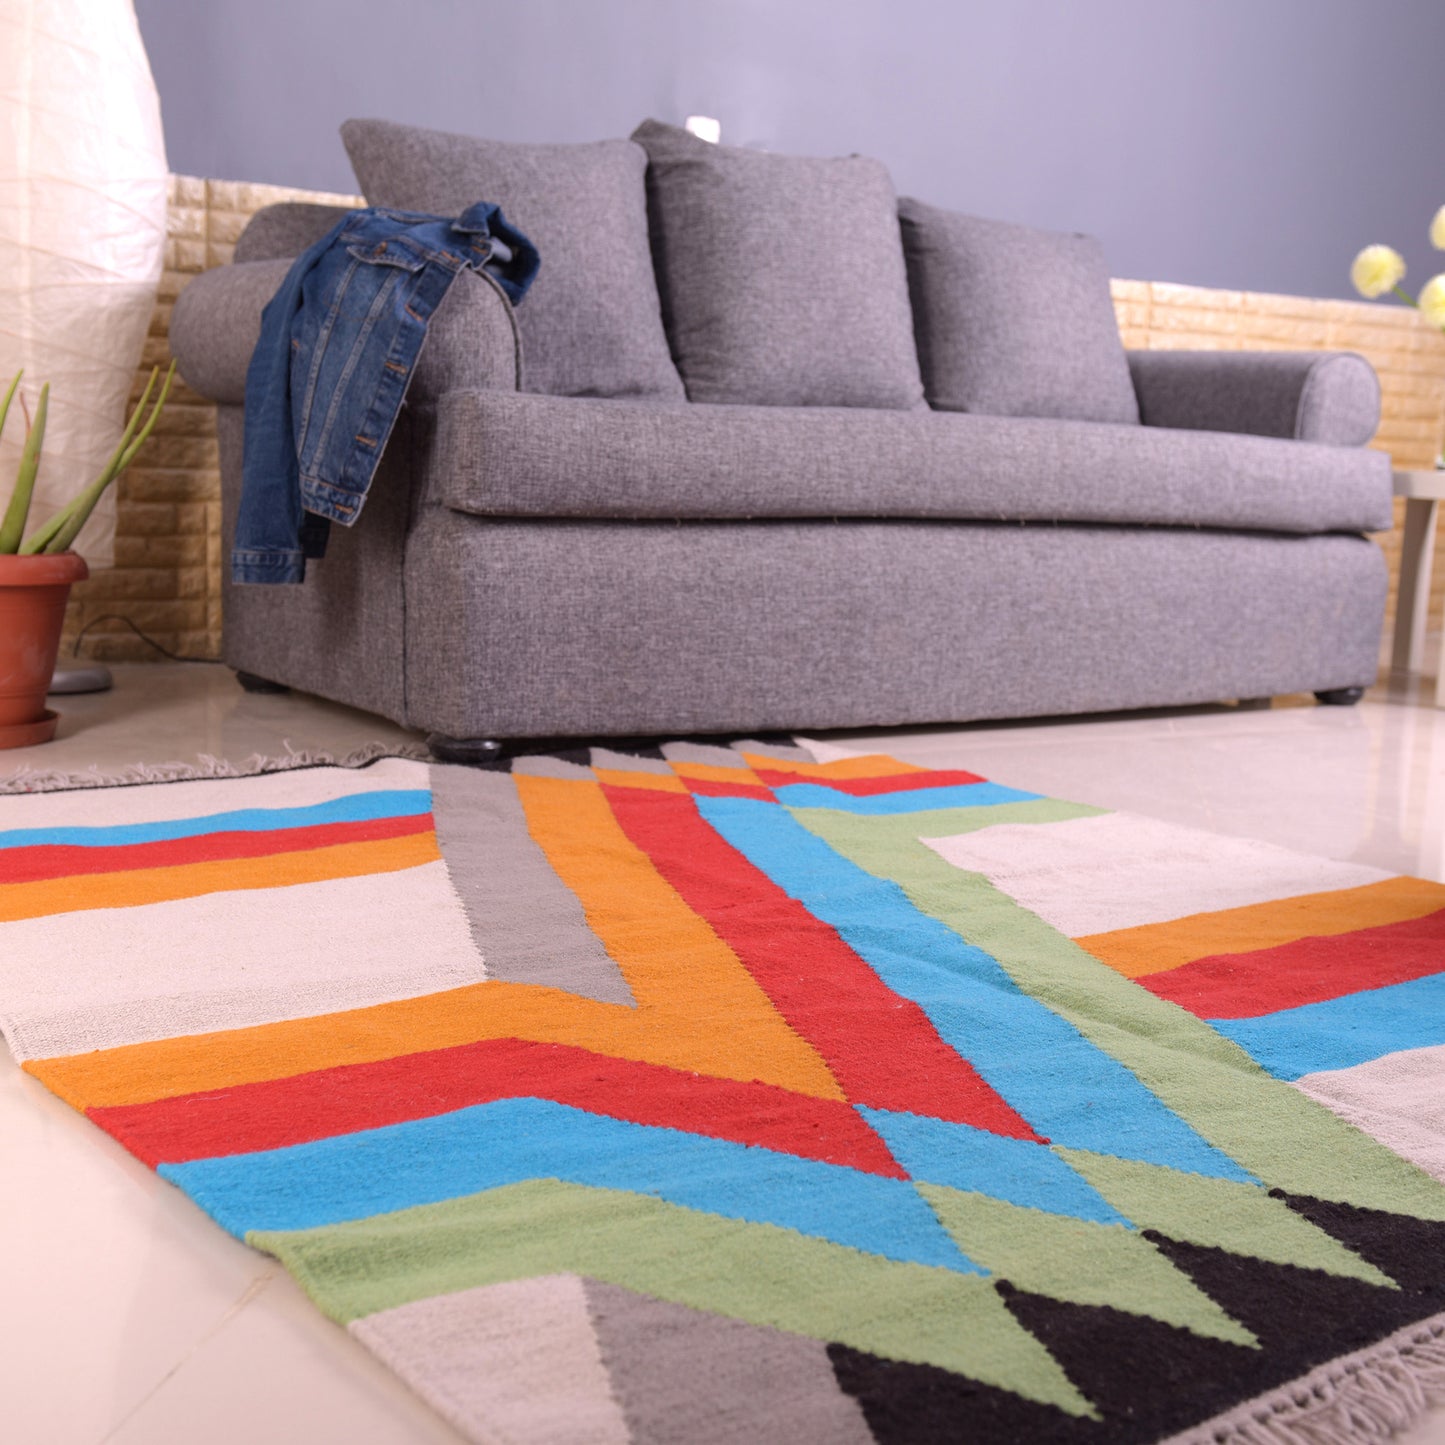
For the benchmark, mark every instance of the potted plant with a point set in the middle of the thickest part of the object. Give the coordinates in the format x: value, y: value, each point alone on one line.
x: 37, y: 571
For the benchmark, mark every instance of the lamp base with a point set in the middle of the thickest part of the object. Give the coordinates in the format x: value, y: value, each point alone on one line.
x: 83, y: 677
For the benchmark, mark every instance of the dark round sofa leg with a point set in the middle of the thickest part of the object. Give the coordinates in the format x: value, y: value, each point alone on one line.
x: 1341, y: 696
x: 251, y: 683
x: 472, y: 752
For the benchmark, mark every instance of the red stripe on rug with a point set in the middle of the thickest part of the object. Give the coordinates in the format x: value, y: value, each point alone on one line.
x: 1310, y: 970
x: 712, y: 788
x: 352, y: 1097
x: 60, y: 860
x: 869, y: 787
x: 880, y: 1046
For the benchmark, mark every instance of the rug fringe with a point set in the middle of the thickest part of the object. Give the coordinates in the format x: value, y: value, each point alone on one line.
x: 32, y: 780
x: 1374, y: 1394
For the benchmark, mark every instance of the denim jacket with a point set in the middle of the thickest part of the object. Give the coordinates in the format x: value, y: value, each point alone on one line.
x: 328, y: 376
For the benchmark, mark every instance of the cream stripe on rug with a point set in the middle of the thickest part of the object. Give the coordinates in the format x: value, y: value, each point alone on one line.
x: 1121, y: 870
x: 230, y: 960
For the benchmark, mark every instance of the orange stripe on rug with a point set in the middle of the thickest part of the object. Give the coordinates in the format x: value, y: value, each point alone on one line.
x: 142, y: 1073
x: 135, y: 888
x: 658, y: 782
x: 1159, y: 947
x: 875, y: 765
x: 716, y: 773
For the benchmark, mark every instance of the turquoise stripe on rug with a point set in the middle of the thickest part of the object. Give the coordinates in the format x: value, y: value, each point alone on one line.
x: 353, y: 808
x: 915, y: 800
x: 424, y: 1161
x: 1019, y: 1171
x: 1342, y: 1032
x: 1066, y: 1087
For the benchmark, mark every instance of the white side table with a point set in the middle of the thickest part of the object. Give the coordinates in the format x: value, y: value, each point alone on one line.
x: 1423, y: 492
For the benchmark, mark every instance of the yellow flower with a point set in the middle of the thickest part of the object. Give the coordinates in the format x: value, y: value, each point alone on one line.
x: 1437, y: 230
x: 1432, y: 300
x: 1377, y: 269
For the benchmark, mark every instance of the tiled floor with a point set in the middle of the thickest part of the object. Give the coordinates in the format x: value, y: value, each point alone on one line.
x: 128, y: 1317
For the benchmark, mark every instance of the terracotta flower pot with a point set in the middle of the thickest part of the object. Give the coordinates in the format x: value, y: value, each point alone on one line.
x: 33, y: 593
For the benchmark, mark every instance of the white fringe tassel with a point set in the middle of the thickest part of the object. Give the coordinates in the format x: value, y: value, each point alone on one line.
x: 30, y: 780
x: 1374, y: 1394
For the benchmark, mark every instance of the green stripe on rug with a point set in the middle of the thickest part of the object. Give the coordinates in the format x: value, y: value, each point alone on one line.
x: 753, y: 1272
x: 951, y: 822
x: 1273, y: 1130
x: 1217, y: 1212
x: 1079, y: 1260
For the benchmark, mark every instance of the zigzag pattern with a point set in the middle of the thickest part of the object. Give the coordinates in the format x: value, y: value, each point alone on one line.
x: 859, y: 1094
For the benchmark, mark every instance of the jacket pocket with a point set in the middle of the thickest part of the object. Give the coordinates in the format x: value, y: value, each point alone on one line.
x: 395, y: 251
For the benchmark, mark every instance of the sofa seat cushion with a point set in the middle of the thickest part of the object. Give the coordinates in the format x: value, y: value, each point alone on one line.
x: 516, y: 455
x: 591, y: 324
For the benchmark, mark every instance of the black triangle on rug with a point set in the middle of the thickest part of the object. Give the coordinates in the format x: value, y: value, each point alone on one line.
x: 1150, y: 1380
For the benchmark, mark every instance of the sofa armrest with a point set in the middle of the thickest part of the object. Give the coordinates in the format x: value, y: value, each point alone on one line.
x: 216, y: 323
x: 1315, y: 396
x: 472, y: 342
x: 286, y: 229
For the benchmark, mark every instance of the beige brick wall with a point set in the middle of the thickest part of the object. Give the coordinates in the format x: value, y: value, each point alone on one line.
x: 167, y: 573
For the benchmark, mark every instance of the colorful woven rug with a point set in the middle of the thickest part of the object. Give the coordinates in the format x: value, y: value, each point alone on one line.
x: 704, y: 1094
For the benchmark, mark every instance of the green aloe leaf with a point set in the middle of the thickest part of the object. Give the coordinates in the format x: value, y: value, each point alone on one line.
x: 63, y: 528
x: 9, y: 397
x: 13, y: 527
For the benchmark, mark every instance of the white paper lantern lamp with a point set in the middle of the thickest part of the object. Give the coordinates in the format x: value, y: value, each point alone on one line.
x: 82, y: 234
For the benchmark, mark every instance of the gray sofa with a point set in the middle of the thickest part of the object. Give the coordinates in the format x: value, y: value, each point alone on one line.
x: 540, y: 564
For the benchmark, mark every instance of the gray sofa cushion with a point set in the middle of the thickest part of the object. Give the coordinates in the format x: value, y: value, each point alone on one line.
x: 782, y: 277
x: 591, y: 324
x: 1013, y: 321
x: 514, y: 455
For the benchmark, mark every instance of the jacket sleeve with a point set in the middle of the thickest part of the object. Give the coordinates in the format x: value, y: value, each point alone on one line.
x: 1314, y: 396
x: 472, y: 342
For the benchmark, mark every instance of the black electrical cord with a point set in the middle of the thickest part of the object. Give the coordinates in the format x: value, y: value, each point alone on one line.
x: 149, y: 641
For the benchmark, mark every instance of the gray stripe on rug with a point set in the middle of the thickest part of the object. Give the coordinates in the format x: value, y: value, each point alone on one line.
x: 683, y: 1375
x: 527, y: 924
x: 628, y: 762
x: 539, y: 765
x: 703, y: 753
x: 774, y: 750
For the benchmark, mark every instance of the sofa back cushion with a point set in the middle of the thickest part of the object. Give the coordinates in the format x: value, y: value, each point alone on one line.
x: 1013, y: 321
x: 782, y: 277
x: 591, y: 324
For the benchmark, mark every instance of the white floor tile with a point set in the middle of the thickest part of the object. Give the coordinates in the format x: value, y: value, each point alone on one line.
x: 110, y: 1275
x: 1364, y: 784
x: 275, y: 1371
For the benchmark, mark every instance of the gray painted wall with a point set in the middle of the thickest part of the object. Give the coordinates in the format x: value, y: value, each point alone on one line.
x: 1254, y: 144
